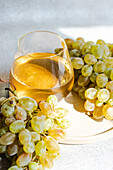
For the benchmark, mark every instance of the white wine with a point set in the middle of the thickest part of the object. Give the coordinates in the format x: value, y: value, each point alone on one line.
x: 38, y: 75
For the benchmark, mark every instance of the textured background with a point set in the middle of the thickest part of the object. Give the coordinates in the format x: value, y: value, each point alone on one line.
x: 87, y: 18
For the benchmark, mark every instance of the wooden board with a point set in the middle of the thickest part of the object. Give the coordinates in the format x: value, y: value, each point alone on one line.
x: 83, y: 129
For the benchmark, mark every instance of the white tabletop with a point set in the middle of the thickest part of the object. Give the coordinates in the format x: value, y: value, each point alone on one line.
x: 89, y: 19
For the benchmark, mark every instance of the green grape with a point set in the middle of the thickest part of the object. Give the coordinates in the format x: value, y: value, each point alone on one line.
x: 108, y: 111
x: 20, y: 113
x: 97, y: 113
x: 77, y: 44
x: 25, y: 136
x: 52, y: 100
x: 37, y: 124
x: 40, y: 148
x: 91, y: 93
x: 109, y: 86
x: 2, y: 99
x: 28, y: 104
x: 46, y: 160
x: 93, y: 77
x: 111, y: 75
x: 15, y: 168
x: 101, y: 80
x: 110, y: 102
x: 77, y: 63
x: 35, y: 136
x: 7, y: 139
x: 33, y: 166
x: 99, y: 67
x: 91, y: 86
x: 57, y: 133
x: 100, y: 42
x: 24, y: 159
x: 3, y: 130
x: 106, y: 51
x: 83, y: 81
x: 29, y: 148
x: 12, y: 149
x: 69, y: 42
x: 86, y: 48
x: 89, y: 105
x: 61, y: 112
x: 75, y: 53
x: 80, y: 39
x: 82, y: 92
x: 90, y: 59
x: 48, y: 123
x: 46, y: 108
x: 76, y: 87
x: 103, y: 95
x: 7, y: 110
x: 63, y: 123
x: 87, y: 70
x: 97, y: 51
x: 98, y: 88
x: 107, y: 72
x: 3, y: 148
x: 99, y: 103
x: 17, y: 126
x: 9, y: 120
x: 109, y: 62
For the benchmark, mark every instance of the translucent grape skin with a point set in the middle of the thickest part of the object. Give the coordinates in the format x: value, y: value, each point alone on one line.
x: 29, y: 148
x: 7, y: 110
x: 100, y: 42
x: 20, y: 113
x: 101, y: 80
x: 97, y: 113
x: 3, y: 148
x: 52, y: 100
x: 9, y: 120
x: 46, y: 108
x: 109, y: 86
x: 111, y: 75
x: 83, y: 81
x: 15, y: 168
x: 108, y: 111
x: 89, y: 105
x: 103, y: 95
x: 25, y: 136
x: 46, y: 160
x: 90, y: 59
x: 37, y: 124
x: 17, y: 126
x: 87, y: 70
x: 40, y: 148
x: 35, y: 136
x: 97, y: 51
x: 93, y: 77
x: 7, y: 139
x: 77, y: 63
x: 99, y: 67
x: 24, y: 159
x: 69, y: 42
x: 33, y: 166
x: 57, y: 133
x: 91, y: 93
x: 12, y: 149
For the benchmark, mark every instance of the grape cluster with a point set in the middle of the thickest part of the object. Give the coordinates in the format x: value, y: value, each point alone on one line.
x: 29, y: 132
x: 93, y: 75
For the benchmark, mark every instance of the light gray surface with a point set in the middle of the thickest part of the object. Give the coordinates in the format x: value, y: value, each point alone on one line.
x: 18, y: 17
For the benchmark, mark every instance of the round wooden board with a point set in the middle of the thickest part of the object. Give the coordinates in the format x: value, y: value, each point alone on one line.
x: 83, y: 129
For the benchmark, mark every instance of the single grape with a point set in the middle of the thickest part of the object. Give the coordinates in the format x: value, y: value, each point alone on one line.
x: 77, y: 63
x: 109, y: 86
x: 20, y: 113
x: 33, y: 166
x: 76, y: 87
x: 87, y: 70
x: 86, y: 48
x: 40, y: 148
x: 46, y: 160
x: 97, y: 51
x: 108, y: 111
x: 24, y: 159
x: 3, y: 130
x: 37, y: 123
x: 7, y: 139
x: 89, y: 105
x: 81, y: 39
x: 57, y: 133
x: 99, y: 67
x: 91, y: 93
x: 75, y: 53
x: 3, y: 148
x: 97, y: 113
x: 17, y: 126
x: 48, y: 123
x: 15, y: 168
x: 29, y: 148
x: 7, y: 110
x: 63, y: 123
x: 101, y: 80
x: 52, y: 100
x: 51, y: 144
x: 93, y: 77
x: 111, y: 75
x: 61, y: 112
x: 99, y: 103
x: 82, y: 92
x: 69, y: 42
x: 109, y: 62
x: 100, y: 42
x: 103, y: 95
x: 77, y: 44
x: 107, y: 72
x: 12, y: 149
x: 106, y: 51
x: 46, y: 108
x: 83, y: 81
x: 25, y: 136
x: 9, y: 120
x: 35, y: 136
x: 90, y: 59
x: 28, y: 104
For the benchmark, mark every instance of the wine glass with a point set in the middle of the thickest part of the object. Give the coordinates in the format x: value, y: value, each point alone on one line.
x: 42, y: 66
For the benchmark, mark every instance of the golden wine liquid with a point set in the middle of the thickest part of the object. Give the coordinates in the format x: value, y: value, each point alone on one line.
x: 38, y: 75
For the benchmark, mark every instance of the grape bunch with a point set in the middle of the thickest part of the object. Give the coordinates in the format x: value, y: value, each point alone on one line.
x: 93, y: 75
x: 29, y: 132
